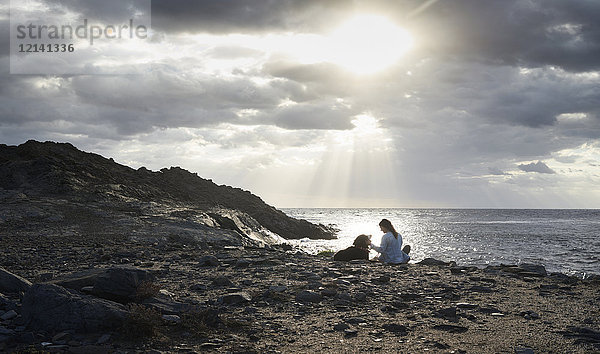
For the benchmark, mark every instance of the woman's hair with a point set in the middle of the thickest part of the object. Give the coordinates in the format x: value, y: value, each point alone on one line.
x: 388, y: 225
x: 362, y: 241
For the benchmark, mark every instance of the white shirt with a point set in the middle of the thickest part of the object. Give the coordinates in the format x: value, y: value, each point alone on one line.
x: 391, y: 249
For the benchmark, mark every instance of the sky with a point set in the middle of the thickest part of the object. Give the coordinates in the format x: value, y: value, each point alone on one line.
x: 311, y: 103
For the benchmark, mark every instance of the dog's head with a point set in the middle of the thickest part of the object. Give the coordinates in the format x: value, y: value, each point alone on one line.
x: 362, y: 241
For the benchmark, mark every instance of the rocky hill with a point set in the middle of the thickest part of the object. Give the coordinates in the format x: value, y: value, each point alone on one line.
x: 60, y: 171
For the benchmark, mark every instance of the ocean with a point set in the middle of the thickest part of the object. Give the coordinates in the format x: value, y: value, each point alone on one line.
x: 565, y: 240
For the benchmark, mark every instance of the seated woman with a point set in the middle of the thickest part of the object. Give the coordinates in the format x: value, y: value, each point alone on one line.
x: 391, y: 251
x: 360, y: 250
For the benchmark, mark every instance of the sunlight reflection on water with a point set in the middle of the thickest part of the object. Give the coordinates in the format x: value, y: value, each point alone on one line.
x: 563, y: 240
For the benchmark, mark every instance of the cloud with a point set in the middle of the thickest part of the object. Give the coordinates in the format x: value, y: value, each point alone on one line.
x: 538, y: 167
x: 497, y: 172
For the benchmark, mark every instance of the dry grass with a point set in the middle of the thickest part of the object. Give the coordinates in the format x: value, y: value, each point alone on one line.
x: 146, y: 290
x: 142, y: 322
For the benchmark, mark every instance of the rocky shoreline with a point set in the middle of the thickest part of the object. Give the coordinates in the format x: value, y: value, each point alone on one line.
x: 97, y: 257
x: 128, y: 296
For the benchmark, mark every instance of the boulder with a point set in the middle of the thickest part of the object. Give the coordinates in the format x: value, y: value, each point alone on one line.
x: 51, y: 308
x: 12, y: 283
x: 120, y: 284
x: 78, y: 280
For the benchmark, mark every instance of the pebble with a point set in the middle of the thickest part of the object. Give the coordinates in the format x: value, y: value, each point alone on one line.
x: 523, y: 350
x: 9, y: 315
x: 341, y: 327
x: 208, y: 261
x: 350, y: 332
x: 278, y: 288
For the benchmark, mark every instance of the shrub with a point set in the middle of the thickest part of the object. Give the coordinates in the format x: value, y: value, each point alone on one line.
x: 141, y: 322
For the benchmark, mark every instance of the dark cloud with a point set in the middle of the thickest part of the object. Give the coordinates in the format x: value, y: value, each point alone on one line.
x: 310, y: 115
x: 538, y: 167
x: 113, y: 11
x: 243, y: 15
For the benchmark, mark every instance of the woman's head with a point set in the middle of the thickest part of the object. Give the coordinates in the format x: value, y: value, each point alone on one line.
x: 386, y: 226
x: 362, y: 241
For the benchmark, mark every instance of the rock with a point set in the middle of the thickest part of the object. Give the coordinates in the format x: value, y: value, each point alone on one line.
x: 383, y: 279
x: 103, y: 339
x: 52, y: 308
x: 481, y: 289
x: 308, y: 296
x: 278, y: 288
x: 208, y: 261
x: 242, y: 263
x: 529, y: 315
x: 121, y: 284
x: 523, y: 350
x: 328, y: 292
x: 78, y: 280
x: 6, y: 303
x: 198, y: 287
x: 166, y: 306
x: 12, y: 283
x: 350, y: 332
x: 356, y: 320
x: 341, y: 327
x: 360, y: 296
x: 465, y: 305
x: 6, y: 331
x: 235, y: 298
x: 396, y: 328
x: 9, y: 315
x: 448, y: 313
x: 451, y: 328
x: 344, y: 297
x: 433, y: 262
x: 534, y: 269
x: 222, y: 281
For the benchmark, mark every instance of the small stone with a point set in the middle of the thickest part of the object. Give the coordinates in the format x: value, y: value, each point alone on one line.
x: 329, y: 292
x: 308, y: 296
x: 351, y: 332
x: 356, y: 320
x: 466, y: 305
x: 222, y: 281
x: 208, y: 261
x: 344, y: 297
x: 9, y: 315
x: 172, y: 319
x: 396, y: 328
x: 235, y: 298
x: 523, y: 350
x: 497, y: 314
x: 382, y: 279
x: 198, y: 287
x: 278, y: 288
x: 103, y: 339
x: 360, y: 296
x: 341, y: 327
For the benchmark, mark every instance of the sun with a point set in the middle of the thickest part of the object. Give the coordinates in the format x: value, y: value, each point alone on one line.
x: 368, y: 43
